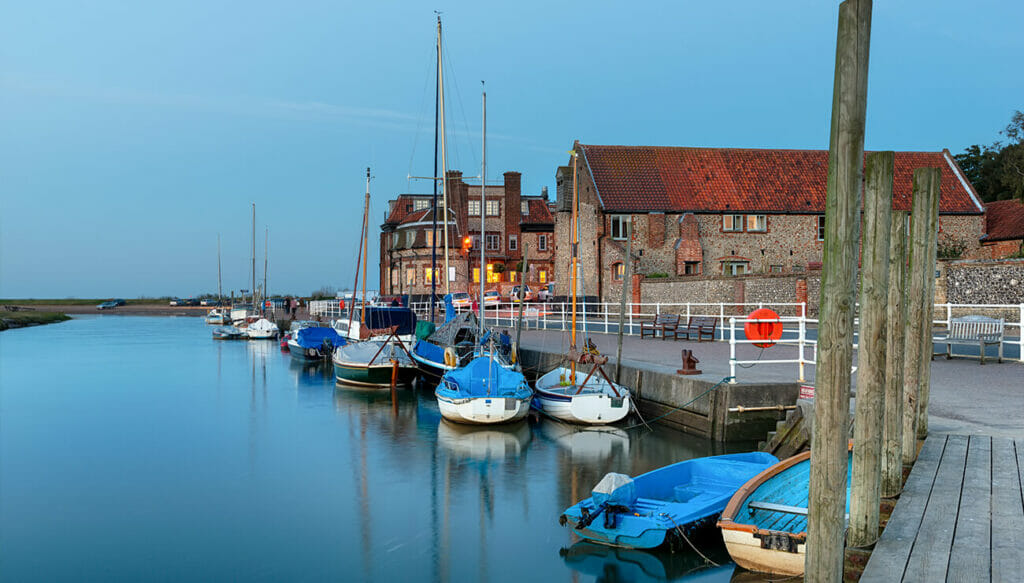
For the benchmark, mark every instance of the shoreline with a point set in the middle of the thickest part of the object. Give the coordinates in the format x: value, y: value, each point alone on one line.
x: 10, y: 320
x: 128, y: 310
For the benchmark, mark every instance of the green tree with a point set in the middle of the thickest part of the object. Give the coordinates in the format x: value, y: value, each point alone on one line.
x: 997, y: 171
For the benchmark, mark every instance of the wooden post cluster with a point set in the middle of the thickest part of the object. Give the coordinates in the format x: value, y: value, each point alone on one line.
x: 919, y: 300
x: 896, y: 317
x: 827, y: 504
x: 865, y: 487
x: 931, y: 178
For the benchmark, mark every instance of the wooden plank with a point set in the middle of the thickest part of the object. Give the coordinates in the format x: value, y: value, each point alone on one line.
x: 929, y: 558
x: 1007, y: 511
x: 889, y: 559
x: 971, y: 556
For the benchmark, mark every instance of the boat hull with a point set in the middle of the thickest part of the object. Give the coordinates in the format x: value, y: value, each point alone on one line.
x: 746, y: 551
x: 304, y: 354
x: 483, y: 410
x: 371, y: 376
x: 595, y: 405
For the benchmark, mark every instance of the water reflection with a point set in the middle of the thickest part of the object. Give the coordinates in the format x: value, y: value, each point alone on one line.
x: 586, y: 444
x: 493, y: 442
x: 612, y: 565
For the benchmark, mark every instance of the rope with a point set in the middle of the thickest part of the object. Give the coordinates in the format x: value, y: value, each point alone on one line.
x: 674, y: 409
x: 685, y: 538
x: 759, y: 354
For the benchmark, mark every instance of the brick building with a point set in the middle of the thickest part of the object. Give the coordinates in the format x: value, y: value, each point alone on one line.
x: 1004, y: 229
x: 721, y: 211
x: 511, y: 220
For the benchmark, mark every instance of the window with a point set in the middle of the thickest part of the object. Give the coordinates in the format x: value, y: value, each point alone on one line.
x: 476, y: 241
x: 542, y: 243
x: 430, y: 238
x: 408, y: 208
x: 512, y: 276
x: 821, y: 228
x: 493, y: 243
x: 542, y: 276
x: 410, y: 276
x: 775, y: 269
x: 492, y: 276
x: 426, y: 275
x: 734, y: 267
x: 476, y: 275
x: 513, y: 243
x: 757, y: 223
x: 492, y: 208
x: 410, y: 237
x: 732, y: 223
x: 691, y: 268
x: 620, y: 224
x: 394, y: 277
x: 421, y: 203
x: 474, y: 208
x: 618, y: 269
x: 394, y: 240
x: 524, y: 207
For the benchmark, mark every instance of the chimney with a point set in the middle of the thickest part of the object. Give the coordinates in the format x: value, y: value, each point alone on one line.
x: 513, y: 215
x: 544, y: 193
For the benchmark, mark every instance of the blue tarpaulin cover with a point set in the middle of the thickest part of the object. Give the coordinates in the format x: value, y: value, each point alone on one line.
x: 484, y: 377
x: 314, y: 337
x: 385, y: 317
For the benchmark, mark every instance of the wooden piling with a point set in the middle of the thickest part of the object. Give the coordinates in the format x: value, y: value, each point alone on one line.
x: 827, y: 504
x: 934, y: 177
x: 896, y: 319
x: 865, y: 486
x: 917, y: 302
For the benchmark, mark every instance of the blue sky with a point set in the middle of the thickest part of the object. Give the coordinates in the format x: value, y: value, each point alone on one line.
x: 133, y: 133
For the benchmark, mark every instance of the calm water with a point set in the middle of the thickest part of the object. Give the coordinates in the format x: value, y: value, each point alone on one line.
x: 136, y: 448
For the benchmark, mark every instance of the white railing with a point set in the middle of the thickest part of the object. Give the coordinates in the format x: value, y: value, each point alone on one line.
x: 802, y: 342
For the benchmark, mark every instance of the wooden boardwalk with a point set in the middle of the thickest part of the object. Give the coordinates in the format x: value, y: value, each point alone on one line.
x: 960, y: 517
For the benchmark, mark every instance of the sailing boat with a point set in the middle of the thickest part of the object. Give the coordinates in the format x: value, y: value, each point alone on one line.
x: 264, y: 329
x: 217, y: 315
x: 570, y: 394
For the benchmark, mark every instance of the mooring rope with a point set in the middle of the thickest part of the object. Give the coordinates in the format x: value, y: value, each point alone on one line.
x: 685, y: 538
x: 674, y: 409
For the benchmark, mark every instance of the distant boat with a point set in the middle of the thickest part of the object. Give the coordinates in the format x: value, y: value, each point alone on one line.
x: 314, y: 344
x: 590, y: 399
x: 228, y: 333
x: 262, y: 329
x: 641, y: 512
x: 765, y: 524
x: 218, y: 317
x: 483, y: 392
x: 239, y: 313
x: 370, y: 364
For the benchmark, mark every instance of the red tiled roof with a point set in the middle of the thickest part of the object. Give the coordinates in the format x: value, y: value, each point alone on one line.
x: 539, y: 212
x: 674, y: 179
x: 1004, y: 220
x: 416, y: 216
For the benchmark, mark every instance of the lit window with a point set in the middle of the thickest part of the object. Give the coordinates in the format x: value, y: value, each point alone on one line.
x: 524, y: 207
x: 426, y: 275
x: 512, y: 276
x: 492, y: 208
x: 492, y: 276
x: 474, y: 208
x: 542, y: 276
x: 410, y: 277
x: 821, y: 228
x: 430, y: 238
x: 513, y: 243
x: 493, y: 243
x: 620, y: 224
x: 757, y: 223
x: 618, y: 269
x: 421, y: 203
x: 732, y: 223
x: 542, y: 242
x: 476, y: 275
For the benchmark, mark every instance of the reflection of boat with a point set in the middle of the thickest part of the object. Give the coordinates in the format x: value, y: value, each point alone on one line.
x: 639, y: 512
x: 371, y: 364
x: 496, y: 442
x: 772, y: 508
x: 617, y: 564
x: 262, y: 329
x: 579, y: 397
x: 310, y: 373
x: 314, y: 344
x: 228, y: 333
x: 483, y: 392
x: 586, y: 443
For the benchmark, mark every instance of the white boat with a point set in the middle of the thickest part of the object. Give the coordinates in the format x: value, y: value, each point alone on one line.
x: 217, y: 316
x: 240, y: 312
x: 589, y: 399
x: 483, y: 392
x: 262, y: 329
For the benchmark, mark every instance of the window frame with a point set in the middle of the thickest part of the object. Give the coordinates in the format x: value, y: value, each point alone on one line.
x: 410, y: 276
x: 420, y: 204
x: 513, y: 242
x: 496, y: 206
x: 473, y: 203
x: 618, y: 271
x: 618, y: 226
x: 764, y: 223
x: 542, y: 275
x: 493, y: 242
x: 542, y: 242
x: 821, y: 227
x: 524, y: 207
x: 733, y: 222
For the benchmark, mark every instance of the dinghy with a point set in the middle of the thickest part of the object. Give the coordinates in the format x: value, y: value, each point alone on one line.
x: 262, y: 329
x: 641, y: 512
x: 217, y: 316
x: 590, y: 399
x: 483, y: 392
x: 314, y: 344
x: 765, y: 523
x: 228, y: 333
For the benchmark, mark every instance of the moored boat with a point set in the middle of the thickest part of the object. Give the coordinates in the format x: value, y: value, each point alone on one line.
x: 228, y: 333
x: 765, y: 523
x: 217, y: 316
x: 372, y: 364
x: 314, y: 344
x: 447, y: 347
x: 483, y: 392
x: 589, y: 399
x: 641, y: 512
x: 262, y: 329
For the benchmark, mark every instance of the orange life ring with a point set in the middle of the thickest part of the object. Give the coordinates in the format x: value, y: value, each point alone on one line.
x: 770, y: 331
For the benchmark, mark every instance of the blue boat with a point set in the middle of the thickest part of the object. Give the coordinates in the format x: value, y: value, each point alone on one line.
x: 765, y: 524
x: 448, y: 347
x: 314, y: 344
x: 484, y: 391
x: 641, y: 512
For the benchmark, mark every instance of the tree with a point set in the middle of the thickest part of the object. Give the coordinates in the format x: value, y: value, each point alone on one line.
x: 997, y: 171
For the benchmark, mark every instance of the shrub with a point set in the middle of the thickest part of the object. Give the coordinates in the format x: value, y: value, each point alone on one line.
x: 951, y: 248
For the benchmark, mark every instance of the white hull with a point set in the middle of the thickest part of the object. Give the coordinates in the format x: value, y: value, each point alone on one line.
x: 484, y: 410
x: 746, y: 551
x: 261, y: 334
x: 596, y: 404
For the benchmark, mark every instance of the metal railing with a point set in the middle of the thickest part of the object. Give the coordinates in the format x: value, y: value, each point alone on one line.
x: 802, y: 342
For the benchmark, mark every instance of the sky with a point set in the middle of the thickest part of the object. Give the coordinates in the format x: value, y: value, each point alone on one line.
x: 133, y: 134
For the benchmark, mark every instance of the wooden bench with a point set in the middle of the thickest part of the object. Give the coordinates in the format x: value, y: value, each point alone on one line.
x: 699, y: 327
x: 979, y: 330
x: 667, y: 323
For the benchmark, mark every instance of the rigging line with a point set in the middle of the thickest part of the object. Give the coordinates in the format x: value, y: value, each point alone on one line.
x: 458, y: 97
x: 428, y: 74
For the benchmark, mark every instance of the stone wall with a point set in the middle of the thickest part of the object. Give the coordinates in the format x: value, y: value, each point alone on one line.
x: 768, y: 289
x: 985, y: 282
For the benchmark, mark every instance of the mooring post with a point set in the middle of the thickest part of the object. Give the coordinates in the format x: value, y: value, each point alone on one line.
x: 896, y: 319
x: 827, y: 502
x: 622, y: 301
x: 917, y: 302
x: 934, y: 176
x: 865, y: 486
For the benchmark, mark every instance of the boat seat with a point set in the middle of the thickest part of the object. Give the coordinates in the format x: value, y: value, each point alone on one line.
x: 770, y: 507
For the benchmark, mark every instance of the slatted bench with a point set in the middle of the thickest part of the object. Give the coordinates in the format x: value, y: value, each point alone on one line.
x: 973, y: 330
x: 699, y: 327
x: 667, y: 323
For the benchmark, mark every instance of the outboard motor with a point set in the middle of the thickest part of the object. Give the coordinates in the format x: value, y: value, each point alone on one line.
x: 614, y: 493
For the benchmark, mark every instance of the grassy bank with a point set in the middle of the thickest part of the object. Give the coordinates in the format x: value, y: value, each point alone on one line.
x: 29, y: 318
x: 80, y: 302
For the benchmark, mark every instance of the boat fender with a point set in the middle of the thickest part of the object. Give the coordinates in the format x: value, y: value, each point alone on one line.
x: 449, y: 357
x: 311, y: 352
x: 513, y: 353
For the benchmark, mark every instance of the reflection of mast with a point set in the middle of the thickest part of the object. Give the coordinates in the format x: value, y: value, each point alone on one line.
x: 364, y: 498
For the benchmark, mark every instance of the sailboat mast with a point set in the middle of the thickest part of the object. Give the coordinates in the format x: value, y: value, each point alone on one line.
x: 366, y: 213
x: 444, y: 157
x: 433, y: 237
x: 220, y: 294
x: 574, y: 238
x: 359, y: 257
x: 266, y: 248
x: 483, y: 206
x: 252, y: 293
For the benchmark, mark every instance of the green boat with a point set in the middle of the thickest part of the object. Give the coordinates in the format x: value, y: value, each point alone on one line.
x: 369, y: 364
